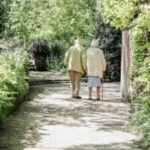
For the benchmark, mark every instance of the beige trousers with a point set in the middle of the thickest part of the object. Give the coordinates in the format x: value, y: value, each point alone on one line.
x: 75, y: 79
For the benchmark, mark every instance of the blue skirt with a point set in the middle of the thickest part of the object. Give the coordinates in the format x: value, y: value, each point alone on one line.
x: 94, y: 81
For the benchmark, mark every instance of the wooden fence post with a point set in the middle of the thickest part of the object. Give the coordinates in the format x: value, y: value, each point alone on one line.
x: 125, y: 65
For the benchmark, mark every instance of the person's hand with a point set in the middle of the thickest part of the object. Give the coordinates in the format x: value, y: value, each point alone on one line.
x: 84, y: 74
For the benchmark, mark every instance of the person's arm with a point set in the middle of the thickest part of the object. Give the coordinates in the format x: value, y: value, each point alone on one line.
x: 66, y: 59
x: 103, y: 61
x: 84, y: 61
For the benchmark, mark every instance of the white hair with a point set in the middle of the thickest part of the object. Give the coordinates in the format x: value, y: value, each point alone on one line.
x: 94, y: 43
x: 77, y: 41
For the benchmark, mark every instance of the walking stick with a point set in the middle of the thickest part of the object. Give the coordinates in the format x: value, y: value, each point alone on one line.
x: 102, y: 88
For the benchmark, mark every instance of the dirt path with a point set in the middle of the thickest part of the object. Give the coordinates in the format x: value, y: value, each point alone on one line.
x: 51, y: 120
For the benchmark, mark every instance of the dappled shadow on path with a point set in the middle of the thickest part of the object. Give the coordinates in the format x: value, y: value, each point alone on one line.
x: 52, y: 120
x: 114, y: 146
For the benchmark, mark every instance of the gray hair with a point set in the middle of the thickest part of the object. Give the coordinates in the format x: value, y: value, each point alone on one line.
x: 94, y: 43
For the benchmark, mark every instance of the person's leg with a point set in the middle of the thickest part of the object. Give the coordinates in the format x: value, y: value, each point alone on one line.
x: 72, y: 82
x: 90, y: 93
x: 98, y: 93
x: 78, y: 77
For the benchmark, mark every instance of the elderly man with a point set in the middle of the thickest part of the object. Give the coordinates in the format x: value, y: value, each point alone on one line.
x: 75, y: 60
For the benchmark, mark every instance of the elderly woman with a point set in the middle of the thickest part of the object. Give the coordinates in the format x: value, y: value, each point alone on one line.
x: 96, y: 65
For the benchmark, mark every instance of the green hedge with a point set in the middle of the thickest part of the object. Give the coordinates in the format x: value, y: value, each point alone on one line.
x: 13, y: 83
x: 141, y: 82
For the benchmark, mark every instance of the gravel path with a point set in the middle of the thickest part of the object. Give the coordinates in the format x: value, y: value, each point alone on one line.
x: 51, y: 120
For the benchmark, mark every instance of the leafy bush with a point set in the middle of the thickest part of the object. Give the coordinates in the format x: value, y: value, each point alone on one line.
x: 56, y: 55
x: 12, y: 79
x: 110, y: 42
x: 134, y: 15
x: 140, y: 80
x: 48, y: 53
x: 61, y: 19
x: 39, y: 49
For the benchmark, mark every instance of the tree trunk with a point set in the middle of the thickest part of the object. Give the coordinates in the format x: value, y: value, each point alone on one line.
x: 125, y: 65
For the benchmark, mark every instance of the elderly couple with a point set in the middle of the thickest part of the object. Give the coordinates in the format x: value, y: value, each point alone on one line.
x: 79, y: 62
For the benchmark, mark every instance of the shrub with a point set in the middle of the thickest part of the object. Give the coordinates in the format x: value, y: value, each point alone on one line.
x: 140, y: 80
x: 56, y: 55
x: 110, y: 43
x: 12, y: 79
x: 47, y: 53
x: 39, y: 49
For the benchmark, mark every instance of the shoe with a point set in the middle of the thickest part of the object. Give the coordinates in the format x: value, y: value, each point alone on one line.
x: 90, y: 98
x: 98, y: 99
x: 77, y: 97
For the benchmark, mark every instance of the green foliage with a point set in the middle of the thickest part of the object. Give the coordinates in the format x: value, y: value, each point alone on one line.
x: 39, y: 47
x: 142, y: 120
x: 140, y: 81
x: 57, y: 65
x: 12, y: 79
x: 48, y: 53
x: 4, y: 9
x: 56, y: 55
x: 117, y: 13
x: 59, y: 19
x: 3, y: 15
x: 110, y: 43
x: 2, y: 12
x: 135, y: 15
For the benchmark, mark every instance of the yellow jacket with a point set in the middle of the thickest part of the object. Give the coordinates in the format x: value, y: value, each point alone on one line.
x: 75, y: 59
